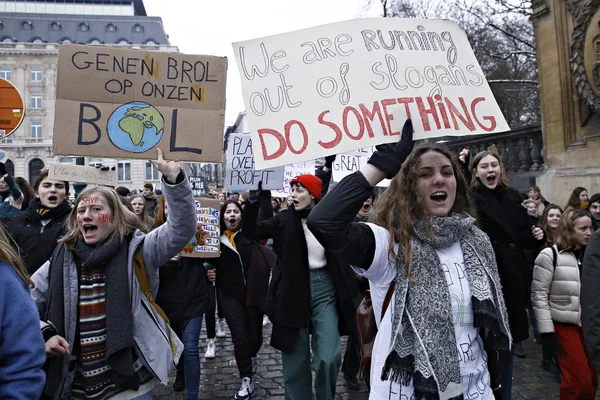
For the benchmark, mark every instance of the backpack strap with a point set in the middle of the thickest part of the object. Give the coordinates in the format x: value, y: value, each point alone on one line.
x: 142, y: 276
x: 388, y: 298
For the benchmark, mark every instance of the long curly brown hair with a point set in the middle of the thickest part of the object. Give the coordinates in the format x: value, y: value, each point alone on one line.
x: 400, y: 206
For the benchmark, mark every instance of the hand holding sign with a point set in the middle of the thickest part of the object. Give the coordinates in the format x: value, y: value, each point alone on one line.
x: 389, y: 157
x: 170, y: 169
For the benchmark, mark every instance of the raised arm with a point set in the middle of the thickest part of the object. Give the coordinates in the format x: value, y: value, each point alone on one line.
x: 331, y: 220
x: 258, y: 221
x: 167, y: 240
x: 324, y: 174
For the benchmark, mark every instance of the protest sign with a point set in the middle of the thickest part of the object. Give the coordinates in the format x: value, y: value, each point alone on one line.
x: 348, y: 163
x: 124, y: 103
x: 206, y: 242
x: 197, y: 185
x: 292, y: 171
x: 80, y: 173
x: 240, y: 173
x: 339, y: 87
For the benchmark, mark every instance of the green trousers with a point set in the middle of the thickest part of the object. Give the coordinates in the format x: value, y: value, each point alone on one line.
x: 327, y: 356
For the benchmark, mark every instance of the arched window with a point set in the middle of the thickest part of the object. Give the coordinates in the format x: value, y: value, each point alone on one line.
x: 26, y: 25
x: 37, y: 40
x: 137, y: 28
x: 123, y: 42
x: 83, y: 27
x: 65, y: 40
x: 35, y: 166
x: 8, y: 39
x: 111, y: 28
x: 150, y: 42
x: 10, y: 167
x: 55, y: 26
x: 95, y: 41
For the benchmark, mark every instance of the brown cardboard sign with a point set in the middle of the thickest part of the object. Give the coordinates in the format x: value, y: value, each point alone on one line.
x: 206, y: 242
x: 80, y: 173
x: 124, y: 103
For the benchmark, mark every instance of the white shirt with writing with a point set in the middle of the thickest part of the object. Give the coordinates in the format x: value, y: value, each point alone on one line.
x: 473, y: 358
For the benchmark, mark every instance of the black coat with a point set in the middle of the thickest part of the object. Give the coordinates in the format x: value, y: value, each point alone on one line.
x: 35, y: 241
x: 590, y: 298
x: 502, y: 217
x: 183, y: 289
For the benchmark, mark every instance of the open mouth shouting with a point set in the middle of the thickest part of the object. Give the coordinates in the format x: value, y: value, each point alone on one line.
x: 491, y: 180
x: 439, y: 197
x: 89, y: 230
x: 52, y: 199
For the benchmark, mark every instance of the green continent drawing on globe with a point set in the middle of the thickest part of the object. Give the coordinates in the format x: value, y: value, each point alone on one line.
x: 136, y: 119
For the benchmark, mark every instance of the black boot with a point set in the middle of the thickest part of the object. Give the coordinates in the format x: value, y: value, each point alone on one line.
x: 179, y: 383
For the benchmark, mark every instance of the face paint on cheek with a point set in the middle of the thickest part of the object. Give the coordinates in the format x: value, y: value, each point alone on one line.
x: 79, y: 219
x: 104, y: 217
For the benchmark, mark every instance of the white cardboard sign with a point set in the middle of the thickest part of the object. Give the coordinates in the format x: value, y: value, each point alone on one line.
x: 81, y: 173
x: 292, y: 171
x: 240, y: 173
x: 349, y: 85
x: 348, y: 163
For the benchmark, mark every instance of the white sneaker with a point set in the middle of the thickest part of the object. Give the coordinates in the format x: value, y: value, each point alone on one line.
x: 210, y: 349
x: 220, y: 328
x: 266, y: 320
x: 245, y: 390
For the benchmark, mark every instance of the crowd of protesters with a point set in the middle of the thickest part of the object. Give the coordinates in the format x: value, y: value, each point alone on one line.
x: 460, y: 267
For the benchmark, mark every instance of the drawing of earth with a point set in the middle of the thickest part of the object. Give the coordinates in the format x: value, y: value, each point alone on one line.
x: 135, y: 127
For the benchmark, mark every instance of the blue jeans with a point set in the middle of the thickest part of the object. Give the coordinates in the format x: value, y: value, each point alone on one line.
x: 190, y: 335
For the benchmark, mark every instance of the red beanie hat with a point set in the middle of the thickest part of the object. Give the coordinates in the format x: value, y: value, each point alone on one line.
x: 311, y: 183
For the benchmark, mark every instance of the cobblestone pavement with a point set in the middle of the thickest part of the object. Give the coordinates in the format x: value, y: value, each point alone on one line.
x: 220, y: 379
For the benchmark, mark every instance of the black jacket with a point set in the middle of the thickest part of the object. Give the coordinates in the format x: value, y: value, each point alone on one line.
x: 183, y: 289
x: 502, y: 217
x: 590, y: 298
x: 35, y: 241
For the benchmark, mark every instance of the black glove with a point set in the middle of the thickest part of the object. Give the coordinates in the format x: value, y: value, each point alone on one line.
x: 9, y: 181
x: 329, y: 161
x: 389, y: 157
x: 550, y: 342
x: 258, y: 194
x: 2, y: 169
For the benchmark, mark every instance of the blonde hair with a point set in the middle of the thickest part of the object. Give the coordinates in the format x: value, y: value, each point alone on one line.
x: 565, y: 239
x: 475, y: 183
x: 124, y: 222
x: 400, y: 206
x: 10, y: 255
x: 146, y: 220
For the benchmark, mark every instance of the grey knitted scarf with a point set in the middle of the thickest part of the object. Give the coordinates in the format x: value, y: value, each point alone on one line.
x: 423, y: 348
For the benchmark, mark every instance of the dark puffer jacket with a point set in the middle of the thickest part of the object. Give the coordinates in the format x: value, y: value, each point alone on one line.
x: 35, y: 241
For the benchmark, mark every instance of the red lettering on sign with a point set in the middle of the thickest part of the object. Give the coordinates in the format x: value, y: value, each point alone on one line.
x: 491, y: 120
x: 336, y: 129
x: 282, y: 144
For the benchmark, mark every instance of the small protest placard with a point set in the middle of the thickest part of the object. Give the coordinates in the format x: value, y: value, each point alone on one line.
x: 80, y: 173
x: 124, y: 103
x: 348, y: 163
x: 290, y: 172
x: 240, y: 173
x: 197, y: 185
x: 206, y: 242
x: 349, y: 85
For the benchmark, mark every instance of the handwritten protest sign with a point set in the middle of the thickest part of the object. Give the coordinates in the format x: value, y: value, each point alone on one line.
x: 240, y: 173
x: 206, y: 242
x: 197, y: 185
x: 291, y: 171
x: 123, y: 103
x: 348, y: 163
x: 80, y: 173
x: 349, y: 85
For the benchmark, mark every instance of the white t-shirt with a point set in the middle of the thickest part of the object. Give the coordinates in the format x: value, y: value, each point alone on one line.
x: 473, y: 364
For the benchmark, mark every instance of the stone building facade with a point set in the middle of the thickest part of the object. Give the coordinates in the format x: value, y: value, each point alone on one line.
x: 28, y: 59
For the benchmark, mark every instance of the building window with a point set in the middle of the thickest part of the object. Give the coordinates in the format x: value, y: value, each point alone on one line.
x: 5, y: 73
x: 137, y: 28
x: 66, y: 160
x: 151, y: 172
x: 8, y: 39
x: 123, y: 171
x: 36, y: 100
x: 95, y: 41
x: 83, y: 27
x: 35, y: 166
x: 150, y: 42
x: 36, y: 73
x: 36, y: 129
x: 95, y: 162
x: 26, y: 25
x: 65, y: 40
x: 123, y: 42
x: 37, y: 40
x: 111, y: 28
x: 55, y: 26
